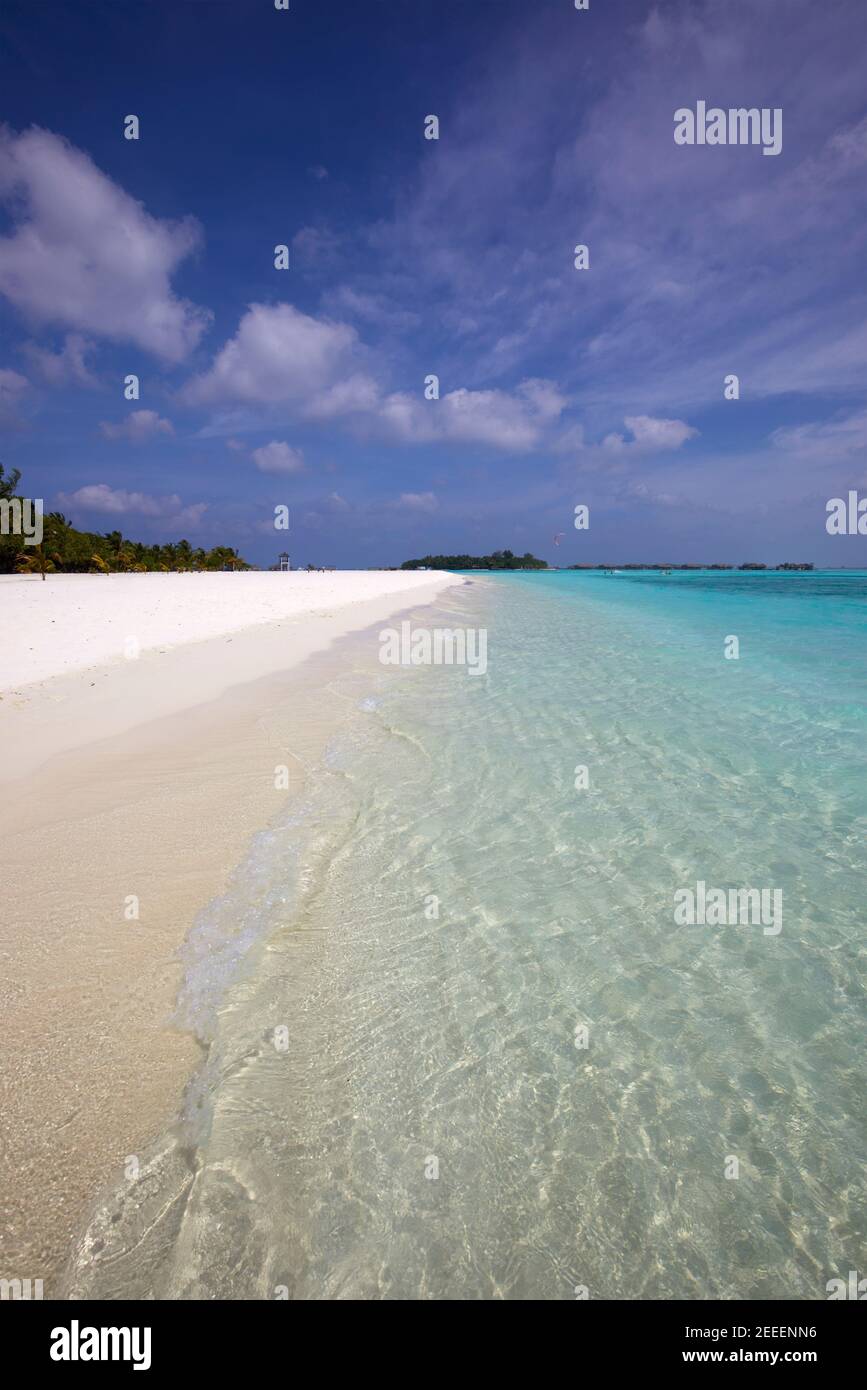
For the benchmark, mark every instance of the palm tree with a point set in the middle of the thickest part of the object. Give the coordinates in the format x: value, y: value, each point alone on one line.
x: 115, y: 540
x: 8, y: 485
x: 35, y: 561
x: 59, y: 533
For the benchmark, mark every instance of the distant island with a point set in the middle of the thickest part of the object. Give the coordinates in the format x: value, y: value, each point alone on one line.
x: 505, y: 560
x: 500, y: 560
x: 788, y: 565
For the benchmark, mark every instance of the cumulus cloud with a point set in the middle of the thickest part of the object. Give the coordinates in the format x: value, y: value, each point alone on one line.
x: 278, y: 457
x: 488, y: 417
x: 317, y: 367
x: 86, y: 254
x: 68, y: 366
x: 99, y: 497
x: 138, y: 426
x: 511, y: 421
x: 357, y: 394
x: 278, y: 355
x: 544, y: 398
x: 649, y: 435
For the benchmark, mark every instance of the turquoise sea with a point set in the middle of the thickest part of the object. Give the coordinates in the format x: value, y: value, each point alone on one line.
x: 457, y: 1045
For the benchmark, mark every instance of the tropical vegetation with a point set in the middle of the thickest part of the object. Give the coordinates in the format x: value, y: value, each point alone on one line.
x: 500, y: 560
x: 64, y: 549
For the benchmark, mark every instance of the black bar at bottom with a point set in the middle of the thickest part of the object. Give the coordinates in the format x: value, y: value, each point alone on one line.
x: 619, y: 1336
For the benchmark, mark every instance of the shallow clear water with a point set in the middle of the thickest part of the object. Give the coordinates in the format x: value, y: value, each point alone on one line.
x: 417, y: 1043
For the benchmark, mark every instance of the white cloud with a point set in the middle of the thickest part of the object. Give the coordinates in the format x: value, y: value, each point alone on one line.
x: 86, y: 254
x: 544, y: 397
x: 278, y: 355
x: 278, y: 457
x: 649, y: 435
x: 99, y: 497
x: 66, y: 366
x: 487, y: 417
x: 358, y: 394
x: 137, y: 427
x: 506, y: 421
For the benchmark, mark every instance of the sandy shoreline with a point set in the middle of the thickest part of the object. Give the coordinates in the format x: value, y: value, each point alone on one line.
x: 144, y: 778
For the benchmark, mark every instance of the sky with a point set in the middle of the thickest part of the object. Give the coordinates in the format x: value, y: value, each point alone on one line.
x: 411, y: 258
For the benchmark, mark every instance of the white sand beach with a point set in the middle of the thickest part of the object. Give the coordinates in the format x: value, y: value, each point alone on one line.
x: 112, y: 766
x: 85, y: 656
x: 73, y: 621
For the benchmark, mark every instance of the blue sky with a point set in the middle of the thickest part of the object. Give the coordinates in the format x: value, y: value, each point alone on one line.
x: 410, y: 257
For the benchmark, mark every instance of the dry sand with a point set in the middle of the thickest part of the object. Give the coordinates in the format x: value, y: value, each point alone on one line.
x: 145, y: 777
x: 73, y: 621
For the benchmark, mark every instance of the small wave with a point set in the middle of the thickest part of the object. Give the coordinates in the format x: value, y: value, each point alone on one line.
x: 226, y: 930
